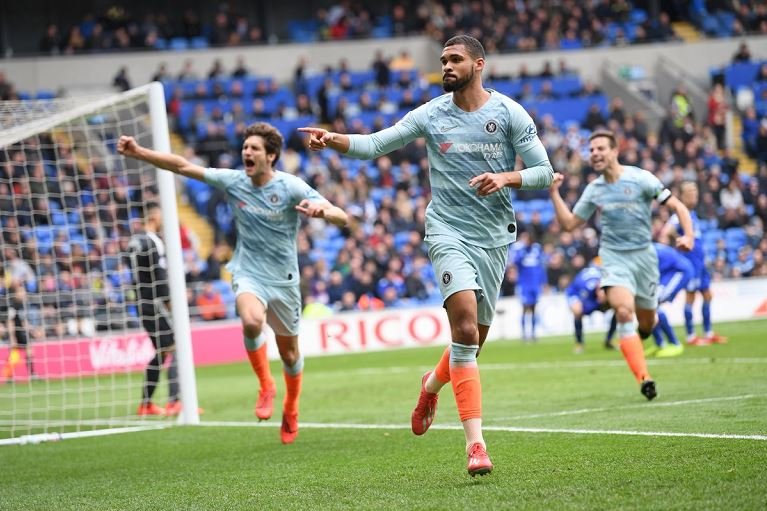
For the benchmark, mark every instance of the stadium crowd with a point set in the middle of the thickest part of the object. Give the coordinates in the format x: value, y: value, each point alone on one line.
x: 379, y: 261
x: 505, y: 26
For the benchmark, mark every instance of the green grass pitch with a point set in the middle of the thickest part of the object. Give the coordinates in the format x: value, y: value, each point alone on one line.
x: 565, y: 431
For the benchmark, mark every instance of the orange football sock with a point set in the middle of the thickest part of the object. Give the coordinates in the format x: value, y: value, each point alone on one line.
x: 14, y: 358
x: 293, y: 391
x: 442, y: 371
x: 260, y: 365
x: 467, y: 390
x: 633, y: 352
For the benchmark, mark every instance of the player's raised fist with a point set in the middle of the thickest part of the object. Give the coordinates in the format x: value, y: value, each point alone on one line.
x: 556, y: 182
x: 127, y: 146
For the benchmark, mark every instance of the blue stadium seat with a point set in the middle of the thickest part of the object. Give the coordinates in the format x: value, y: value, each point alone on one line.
x: 45, y: 94
x: 735, y: 237
x: 740, y: 74
x: 198, y: 43
x: 178, y: 44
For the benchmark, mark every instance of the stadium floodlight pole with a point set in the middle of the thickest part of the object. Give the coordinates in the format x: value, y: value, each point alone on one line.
x: 176, y: 278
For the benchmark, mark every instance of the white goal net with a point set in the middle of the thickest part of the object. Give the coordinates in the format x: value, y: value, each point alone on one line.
x: 73, y: 352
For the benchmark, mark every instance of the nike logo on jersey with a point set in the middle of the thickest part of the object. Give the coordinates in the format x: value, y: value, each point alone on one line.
x: 447, y: 128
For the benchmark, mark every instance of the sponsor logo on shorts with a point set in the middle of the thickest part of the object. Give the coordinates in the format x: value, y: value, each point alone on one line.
x: 447, y: 277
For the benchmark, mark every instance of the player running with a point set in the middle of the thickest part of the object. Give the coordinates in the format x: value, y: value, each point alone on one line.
x: 265, y: 277
x: 675, y: 272
x: 584, y: 296
x: 624, y: 195
x: 701, y: 280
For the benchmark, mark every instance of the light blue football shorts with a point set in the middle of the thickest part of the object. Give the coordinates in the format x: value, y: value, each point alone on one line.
x: 636, y: 270
x: 282, y: 303
x: 460, y: 266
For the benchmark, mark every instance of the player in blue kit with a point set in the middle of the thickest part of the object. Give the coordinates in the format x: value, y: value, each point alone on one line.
x: 265, y: 276
x: 675, y: 272
x: 584, y: 296
x: 624, y: 196
x: 529, y: 258
x: 701, y: 280
x: 473, y: 137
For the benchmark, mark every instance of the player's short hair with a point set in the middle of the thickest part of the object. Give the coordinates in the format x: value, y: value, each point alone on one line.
x: 687, y: 183
x: 149, y: 207
x: 608, y: 135
x: 472, y: 45
x: 271, y: 136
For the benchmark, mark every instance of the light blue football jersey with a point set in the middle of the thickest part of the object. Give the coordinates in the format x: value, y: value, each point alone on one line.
x: 625, y: 207
x: 267, y: 223
x: 462, y: 145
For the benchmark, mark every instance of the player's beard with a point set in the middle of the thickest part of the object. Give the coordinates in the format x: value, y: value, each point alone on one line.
x: 459, y: 83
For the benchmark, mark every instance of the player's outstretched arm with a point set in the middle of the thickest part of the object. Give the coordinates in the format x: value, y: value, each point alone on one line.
x: 687, y: 240
x: 566, y: 219
x: 320, y: 139
x: 323, y: 209
x: 127, y: 146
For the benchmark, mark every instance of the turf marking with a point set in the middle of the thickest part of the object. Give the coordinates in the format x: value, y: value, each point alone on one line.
x: 508, y: 429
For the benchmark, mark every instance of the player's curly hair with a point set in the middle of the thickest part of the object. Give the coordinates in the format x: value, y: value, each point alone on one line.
x: 472, y: 45
x: 272, y: 138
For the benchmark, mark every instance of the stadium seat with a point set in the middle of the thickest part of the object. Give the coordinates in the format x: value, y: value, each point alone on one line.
x: 740, y: 74
x: 197, y: 43
x: 178, y: 44
x: 735, y: 237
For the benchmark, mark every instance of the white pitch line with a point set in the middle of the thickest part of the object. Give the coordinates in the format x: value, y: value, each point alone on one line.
x: 627, y: 407
x: 508, y: 429
x: 575, y: 364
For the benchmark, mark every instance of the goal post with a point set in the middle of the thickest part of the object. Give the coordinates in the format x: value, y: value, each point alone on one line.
x: 72, y: 348
x: 176, y: 277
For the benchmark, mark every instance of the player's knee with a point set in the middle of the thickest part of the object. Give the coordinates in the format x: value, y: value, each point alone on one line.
x: 289, y: 355
x: 252, y: 326
x: 466, y: 332
x: 624, y: 314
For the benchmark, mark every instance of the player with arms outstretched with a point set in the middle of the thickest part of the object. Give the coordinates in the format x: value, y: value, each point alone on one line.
x: 624, y: 196
x: 473, y: 136
x: 265, y: 276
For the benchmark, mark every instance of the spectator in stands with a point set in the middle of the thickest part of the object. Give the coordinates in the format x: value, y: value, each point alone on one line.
x: 240, y: 68
x: 121, y: 81
x: 402, y: 62
x: 50, y: 43
x: 216, y: 70
x: 661, y: 29
x: 348, y: 302
x: 761, y: 142
x: 187, y: 72
x: 750, y: 132
x: 162, y: 74
x: 743, y: 54
x: 717, y: 114
x: 210, y: 303
x: 75, y: 42
x: 731, y: 199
